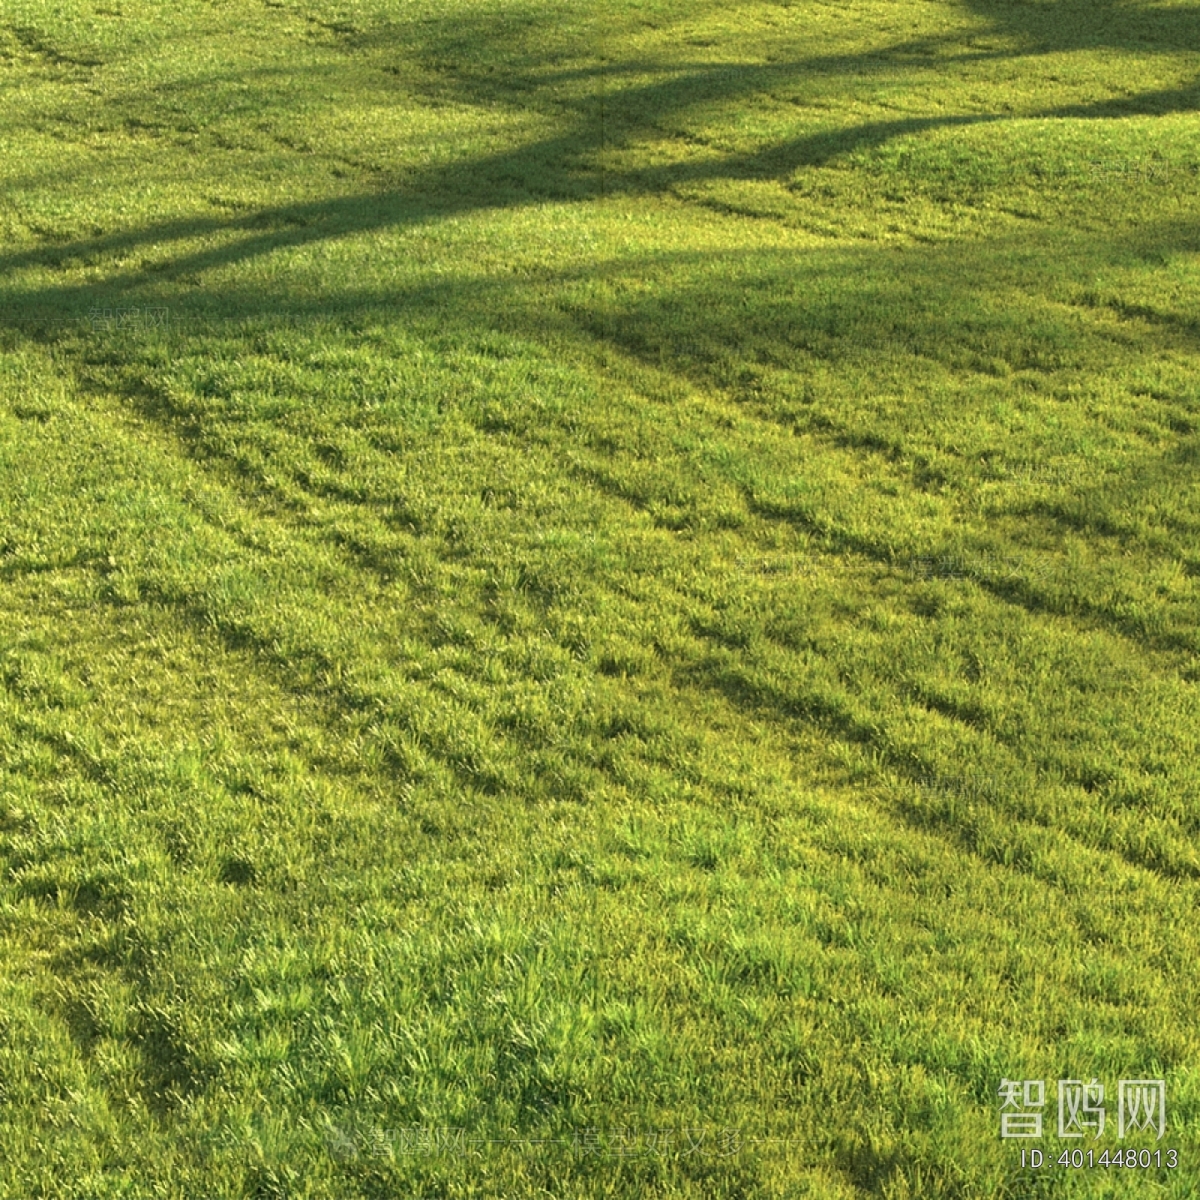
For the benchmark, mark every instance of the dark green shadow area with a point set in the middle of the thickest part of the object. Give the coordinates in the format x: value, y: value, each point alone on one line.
x: 1054, y: 26
x: 565, y: 167
x: 878, y: 353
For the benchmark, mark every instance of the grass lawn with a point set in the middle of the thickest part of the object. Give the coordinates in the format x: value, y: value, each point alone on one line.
x: 597, y: 600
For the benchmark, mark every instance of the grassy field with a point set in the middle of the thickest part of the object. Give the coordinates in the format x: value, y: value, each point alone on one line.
x: 596, y: 600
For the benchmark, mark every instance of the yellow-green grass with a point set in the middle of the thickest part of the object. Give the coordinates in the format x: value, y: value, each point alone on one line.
x: 625, y: 567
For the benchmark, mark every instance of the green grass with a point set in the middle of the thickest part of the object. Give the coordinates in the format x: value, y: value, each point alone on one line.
x: 648, y: 580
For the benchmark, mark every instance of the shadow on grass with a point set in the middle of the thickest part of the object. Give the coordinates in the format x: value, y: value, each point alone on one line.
x: 1055, y: 26
x: 610, y: 115
x: 740, y: 314
x: 726, y: 322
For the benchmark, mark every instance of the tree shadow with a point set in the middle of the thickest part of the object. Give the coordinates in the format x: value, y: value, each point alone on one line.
x: 734, y: 323
x: 601, y: 108
x: 1054, y: 26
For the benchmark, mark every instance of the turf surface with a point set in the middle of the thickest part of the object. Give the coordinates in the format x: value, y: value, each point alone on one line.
x: 596, y: 600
